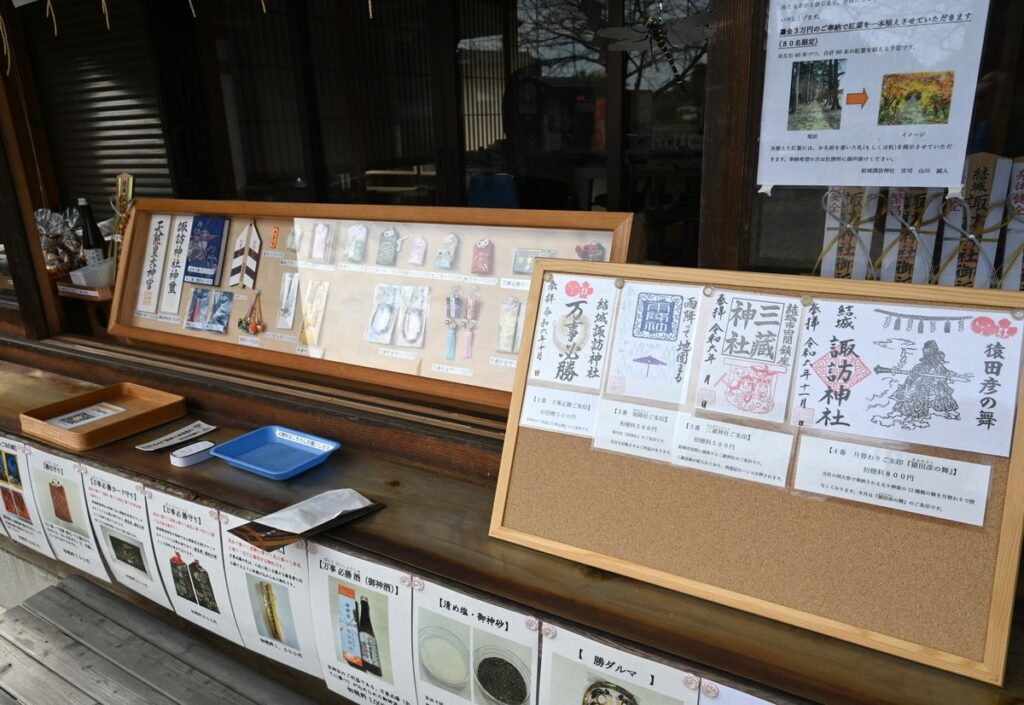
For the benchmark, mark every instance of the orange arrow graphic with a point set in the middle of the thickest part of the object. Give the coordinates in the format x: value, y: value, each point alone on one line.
x: 857, y: 98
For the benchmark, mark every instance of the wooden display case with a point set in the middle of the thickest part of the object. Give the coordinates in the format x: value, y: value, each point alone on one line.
x: 387, y: 312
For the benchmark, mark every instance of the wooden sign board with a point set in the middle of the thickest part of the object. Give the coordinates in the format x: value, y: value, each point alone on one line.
x: 428, y: 301
x: 841, y: 456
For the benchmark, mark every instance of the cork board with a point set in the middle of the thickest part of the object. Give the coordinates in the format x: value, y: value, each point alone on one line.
x: 481, y: 371
x: 922, y: 588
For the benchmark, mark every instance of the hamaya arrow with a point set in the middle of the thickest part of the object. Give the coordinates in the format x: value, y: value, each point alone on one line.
x: 857, y: 98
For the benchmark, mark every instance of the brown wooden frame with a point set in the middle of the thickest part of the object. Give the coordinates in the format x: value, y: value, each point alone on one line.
x: 991, y: 668
x: 620, y: 224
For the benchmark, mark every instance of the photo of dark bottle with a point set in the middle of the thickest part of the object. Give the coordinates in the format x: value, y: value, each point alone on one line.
x: 203, y: 587
x: 94, y: 247
x: 367, y: 639
x: 181, y: 579
x: 348, y: 617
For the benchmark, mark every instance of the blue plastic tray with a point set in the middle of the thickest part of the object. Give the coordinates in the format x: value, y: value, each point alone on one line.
x: 275, y: 451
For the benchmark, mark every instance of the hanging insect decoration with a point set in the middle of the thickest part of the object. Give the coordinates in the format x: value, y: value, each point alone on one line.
x: 660, y: 37
x: 656, y: 33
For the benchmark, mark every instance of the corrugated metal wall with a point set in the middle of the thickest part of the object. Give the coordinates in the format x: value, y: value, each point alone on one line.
x: 99, y: 100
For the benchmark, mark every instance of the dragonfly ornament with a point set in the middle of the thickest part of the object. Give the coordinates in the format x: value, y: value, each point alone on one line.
x: 654, y: 31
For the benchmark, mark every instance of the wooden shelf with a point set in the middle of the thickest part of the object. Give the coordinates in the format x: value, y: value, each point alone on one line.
x: 438, y: 526
x: 69, y: 290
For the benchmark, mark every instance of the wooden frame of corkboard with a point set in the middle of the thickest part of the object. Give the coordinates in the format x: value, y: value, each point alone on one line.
x: 615, y: 227
x: 928, y: 590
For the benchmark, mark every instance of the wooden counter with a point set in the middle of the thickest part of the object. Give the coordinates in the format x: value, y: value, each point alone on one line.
x: 437, y: 525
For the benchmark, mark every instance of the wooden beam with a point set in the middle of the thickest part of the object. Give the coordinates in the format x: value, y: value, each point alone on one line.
x: 735, y: 79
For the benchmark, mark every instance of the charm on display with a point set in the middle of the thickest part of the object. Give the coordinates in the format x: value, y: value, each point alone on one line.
x: 509, y: 327
x: 246, y: 260
x: 382, y: 319
x: 593, y: 251
x: 453, y: 312
x: 418, y: 251
x: 413, y: 316
x: 483, y: 257
x: 355, y: 243
x: 289, y: 297
x: 252, y: 322
x: 388, y: 247
x: 323, y: 238
x: 445, y: 258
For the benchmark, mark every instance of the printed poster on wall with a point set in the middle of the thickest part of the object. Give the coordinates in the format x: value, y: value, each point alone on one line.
x: 748, y: 355
x: 19, y: 515
x: 472, y: 652
x: 935, y: 376
x: 117, y: 507
x: 186, y: 542
x: 575, y: 669
x: 876, y: 93
x: 362, y: 614
x: 649, y: 362
x: 568, y: 353
x: 60, y: 499
x: 270, y: 595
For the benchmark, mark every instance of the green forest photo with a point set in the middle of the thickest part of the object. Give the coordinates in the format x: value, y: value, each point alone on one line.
x: 816, y: 95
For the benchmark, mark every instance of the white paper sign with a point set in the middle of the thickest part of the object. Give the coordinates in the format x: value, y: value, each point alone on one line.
x: 174, y: 275
x: 576, y: 669
x: 558, y: 410
x: 572, y: 332
x: 875, y: 93
x: 153, y: 267
x: 469, y: 651
x: 186, y: 541
x: 742, y: 452
x: 634, y: 429
x: 81, y: 417
x: 60, y: 499
x: 362, y: 614
x: 20, y: 517
x: 921, y: 484
x: 748, y: 355
x: 117, y: 507
x: 652, y: 349
x: 270, y: 596
x: 936, y: 376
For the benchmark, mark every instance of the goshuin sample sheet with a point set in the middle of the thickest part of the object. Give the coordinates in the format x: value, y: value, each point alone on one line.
x: 186, y: 541
x: 934, y: 376
x: 270, y: 595
x: 117, y: 507
x: 568, y: 353
x: 872, y: 93
x: 648, y: 369
x: 575, y: 669
x: 469, y: 651
x: 60, y: 499
x: 748, y: 354
x: 362, y: 614
x: 19, y: 514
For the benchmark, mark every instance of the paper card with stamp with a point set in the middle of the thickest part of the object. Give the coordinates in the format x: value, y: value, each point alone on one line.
x: 748, y: 354
x: 653, y: 347
x: 936, y: 376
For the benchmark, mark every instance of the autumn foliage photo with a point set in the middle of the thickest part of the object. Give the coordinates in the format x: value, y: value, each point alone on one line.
x: 916, y: 98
